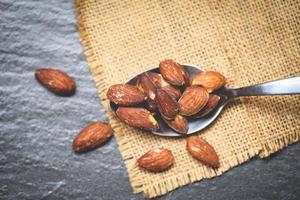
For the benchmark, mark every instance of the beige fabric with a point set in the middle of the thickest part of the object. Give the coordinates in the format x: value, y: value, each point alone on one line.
x: 248, y: 41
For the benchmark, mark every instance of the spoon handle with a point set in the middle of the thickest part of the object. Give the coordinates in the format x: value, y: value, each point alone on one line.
x: 285, y: 86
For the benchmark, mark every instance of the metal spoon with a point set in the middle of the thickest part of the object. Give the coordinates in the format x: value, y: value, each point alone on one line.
x: 287, y: 86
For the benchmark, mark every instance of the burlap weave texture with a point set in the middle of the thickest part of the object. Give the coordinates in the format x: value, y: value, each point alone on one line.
x: 248, y: 41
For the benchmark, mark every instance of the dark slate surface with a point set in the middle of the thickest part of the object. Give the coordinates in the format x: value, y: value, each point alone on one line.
x: 37, y: 127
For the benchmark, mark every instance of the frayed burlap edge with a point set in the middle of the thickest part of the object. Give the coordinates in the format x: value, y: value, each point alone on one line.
x: 177, y: 180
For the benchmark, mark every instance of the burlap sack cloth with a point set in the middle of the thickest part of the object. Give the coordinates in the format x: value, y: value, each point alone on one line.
x: 248, y: 41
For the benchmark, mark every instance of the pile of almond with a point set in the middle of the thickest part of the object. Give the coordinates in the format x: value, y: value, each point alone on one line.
x: 169, y: 94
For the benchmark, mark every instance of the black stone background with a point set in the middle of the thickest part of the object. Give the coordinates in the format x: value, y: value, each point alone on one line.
x: 37, y: 127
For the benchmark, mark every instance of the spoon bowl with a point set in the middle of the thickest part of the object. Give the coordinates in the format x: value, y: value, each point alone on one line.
x: 195, y: 125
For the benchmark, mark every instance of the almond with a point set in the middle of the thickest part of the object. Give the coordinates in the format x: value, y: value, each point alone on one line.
x: 173, y: 72
x: 193, y: 100
x: 151, y: 105
x: 125, y: 95
x: 167, y: 105
x: 209, y: 107
x: 202, y: 151
x: 179, y: 124
x: 156, y: 160
x: 137, y: 117
x: 211, y: 80
x: 145, y: 84
x: 92, y: 136
x: 56, y: 81
x: 160, y: 82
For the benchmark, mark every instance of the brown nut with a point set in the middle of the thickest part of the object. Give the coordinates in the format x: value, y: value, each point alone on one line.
x: 179, y: 124
x: 125, y: 95
x: 137, y: 117
x: 202, y: 151
x: 151, y: 105
x: 167, y: 105
x: 193, y: 100
x: 209, y: 107
x: 211, y: 80
x: 160, y: 82
x: 145, y: 84
x: 56, y: 81
x: 156, y: 160
x: 173, y: 72
x: 92, y: 136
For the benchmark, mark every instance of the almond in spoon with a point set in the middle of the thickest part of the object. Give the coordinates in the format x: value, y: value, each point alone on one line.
x: 167, y: 105
x: 179, y: 124
x: 193, y: 100
x: 159, y: 81
x: 211, y: 80
x: 209, y: 107
x: 173, y: 72
x: 137, y: 117
x: 125, y: 95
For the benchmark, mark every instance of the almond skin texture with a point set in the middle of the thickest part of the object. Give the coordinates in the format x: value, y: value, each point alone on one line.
x: 56, y: 81
x: 160, y: 82
x: 193, y: 100
x: 167, y: 105
x: 211, y: 80
x: 173, y: 72
x: 179, y: 124
x: 145, y: 84
x: 125, y: 95
x: 137, y: 117
x: 156, y: 160
x: 92, y: 136
x: 209, y: 107
x: 202, y: 151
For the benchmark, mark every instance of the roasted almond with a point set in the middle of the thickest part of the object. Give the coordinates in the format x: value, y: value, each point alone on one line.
x: 137, y: 117
x: 92, y: 136
x: 167, y: 105
x: 209, y: 107
x: 145, y: 84
x: 173, y: 72
x: 156, y: 160
x: 151, y: 105
x: 56, y: 81
x: 193, y: 100
x: 125, y: 95
x: 211, y: 80
x: 159, y: 81
x: 202, y: 151
x: 179, y: 124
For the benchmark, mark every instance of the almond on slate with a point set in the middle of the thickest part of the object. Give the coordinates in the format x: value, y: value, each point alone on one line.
x: 193, y: 100
x: 167, y: 105
x: 125, y: 95
x: 211, y: 80
x: 202, y: 151
x: 159, y: 81
x: 209, y: 107
x: 156, y: 160
x: 92, y: 136
x: 137, y: 117
x: 56, y: 81
x: 179, y: 124
x: 173, y: 72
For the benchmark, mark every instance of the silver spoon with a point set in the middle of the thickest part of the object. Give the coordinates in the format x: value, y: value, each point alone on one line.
x: 285, y: 86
